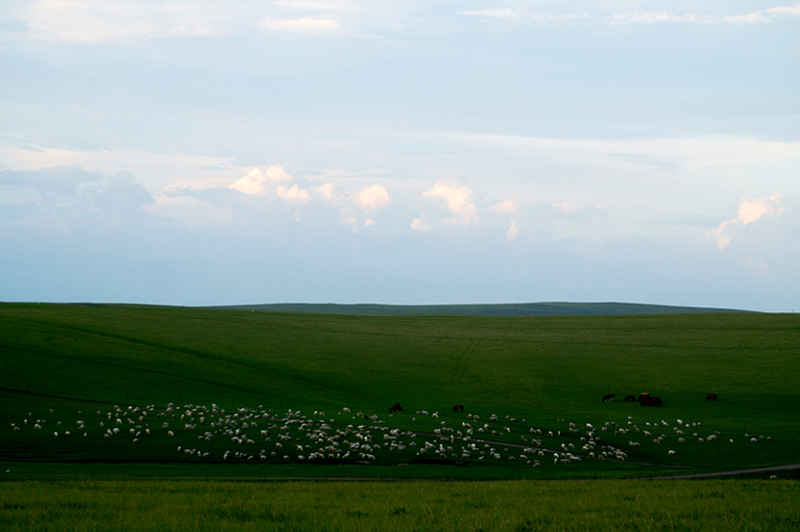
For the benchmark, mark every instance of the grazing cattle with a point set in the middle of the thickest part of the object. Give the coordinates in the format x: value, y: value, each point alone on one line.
x: 609, y: 397
x: 644, y: 396
x: 651, y: 401
x: 458, y: 408
x: 630, y: 398
x: 395, y: 408
x: 711, y: 397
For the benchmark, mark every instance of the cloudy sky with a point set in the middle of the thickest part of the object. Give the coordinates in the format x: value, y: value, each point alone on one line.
x: 415, y: 152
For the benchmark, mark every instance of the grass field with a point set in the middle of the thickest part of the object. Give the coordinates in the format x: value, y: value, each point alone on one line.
x: 515, y: 506
x: 99, y: 364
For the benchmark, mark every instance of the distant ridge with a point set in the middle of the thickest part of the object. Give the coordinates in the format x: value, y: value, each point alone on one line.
x: 510, y: 309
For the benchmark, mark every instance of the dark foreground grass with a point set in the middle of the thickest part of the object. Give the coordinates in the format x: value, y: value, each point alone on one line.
x: 488, y: 506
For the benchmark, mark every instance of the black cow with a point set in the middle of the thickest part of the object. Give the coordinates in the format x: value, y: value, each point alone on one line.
x: 711, y: 397
x: 458, y: 408
x: 643, y: 397
x: 609, y: 397
x: 395, y: 408
x: 651, y: 401
x: 630, y: 398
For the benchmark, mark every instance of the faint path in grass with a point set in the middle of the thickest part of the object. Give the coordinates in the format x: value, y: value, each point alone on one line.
x: 727, y: 473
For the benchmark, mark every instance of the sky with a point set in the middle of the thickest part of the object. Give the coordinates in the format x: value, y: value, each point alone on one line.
x: 415, y: 152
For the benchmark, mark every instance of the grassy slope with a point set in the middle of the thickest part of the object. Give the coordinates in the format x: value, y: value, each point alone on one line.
x: 541, y: 368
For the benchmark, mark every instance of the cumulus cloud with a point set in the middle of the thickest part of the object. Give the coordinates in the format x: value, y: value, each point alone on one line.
x: 750, y: 210
x: 355, y: 206
x: 121, y: 192
x: 69, y: 199
x: 374, y: 197
x: 506, y: 207
x: 458, y: 201
x: 65, y: 186
x: 255, y: 180
x: 294, y: 194
x: 327, y: 191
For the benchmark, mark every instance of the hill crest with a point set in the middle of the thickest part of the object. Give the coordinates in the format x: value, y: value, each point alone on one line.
x: 499, y: 309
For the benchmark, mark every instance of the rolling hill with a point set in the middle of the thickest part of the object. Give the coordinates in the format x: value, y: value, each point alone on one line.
x: 508, y: 309
x: 87, y: 366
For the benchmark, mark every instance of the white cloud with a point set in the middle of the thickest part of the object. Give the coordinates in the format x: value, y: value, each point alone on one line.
x: 512, y: 230
x: 301, y: 25
x: 650, y: 17
x: 511, y: 15
x: 755, y: 17
x: 252, y: 183
x: 420, y: 224
x: 506, y: 207
x: 314, y: 5
x: 255, y: 180
x: 568, y: 206
x: 294, y: 194
x: 155, y: 171
x: 374, y: 197
x: 750, y: 210
x: 699, y: 154
x: 749, y: 18
x: 501, y: 13
x: 458, y: 200
x: 93, y: 21
x: 327, y: 191
x: 785, y: 10
x: 353, y: 206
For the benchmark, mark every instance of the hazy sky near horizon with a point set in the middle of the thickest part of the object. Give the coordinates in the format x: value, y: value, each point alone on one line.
x: 416, y: 152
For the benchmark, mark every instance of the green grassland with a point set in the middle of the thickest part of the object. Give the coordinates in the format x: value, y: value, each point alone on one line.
x: 309, y: 376
x: 486, y: 506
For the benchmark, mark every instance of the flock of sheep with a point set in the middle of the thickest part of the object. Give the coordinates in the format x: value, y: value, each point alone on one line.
x: 212, y: 433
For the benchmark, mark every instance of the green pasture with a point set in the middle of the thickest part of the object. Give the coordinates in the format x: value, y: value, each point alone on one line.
x: 514, y: 506
x: 96, y: 364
